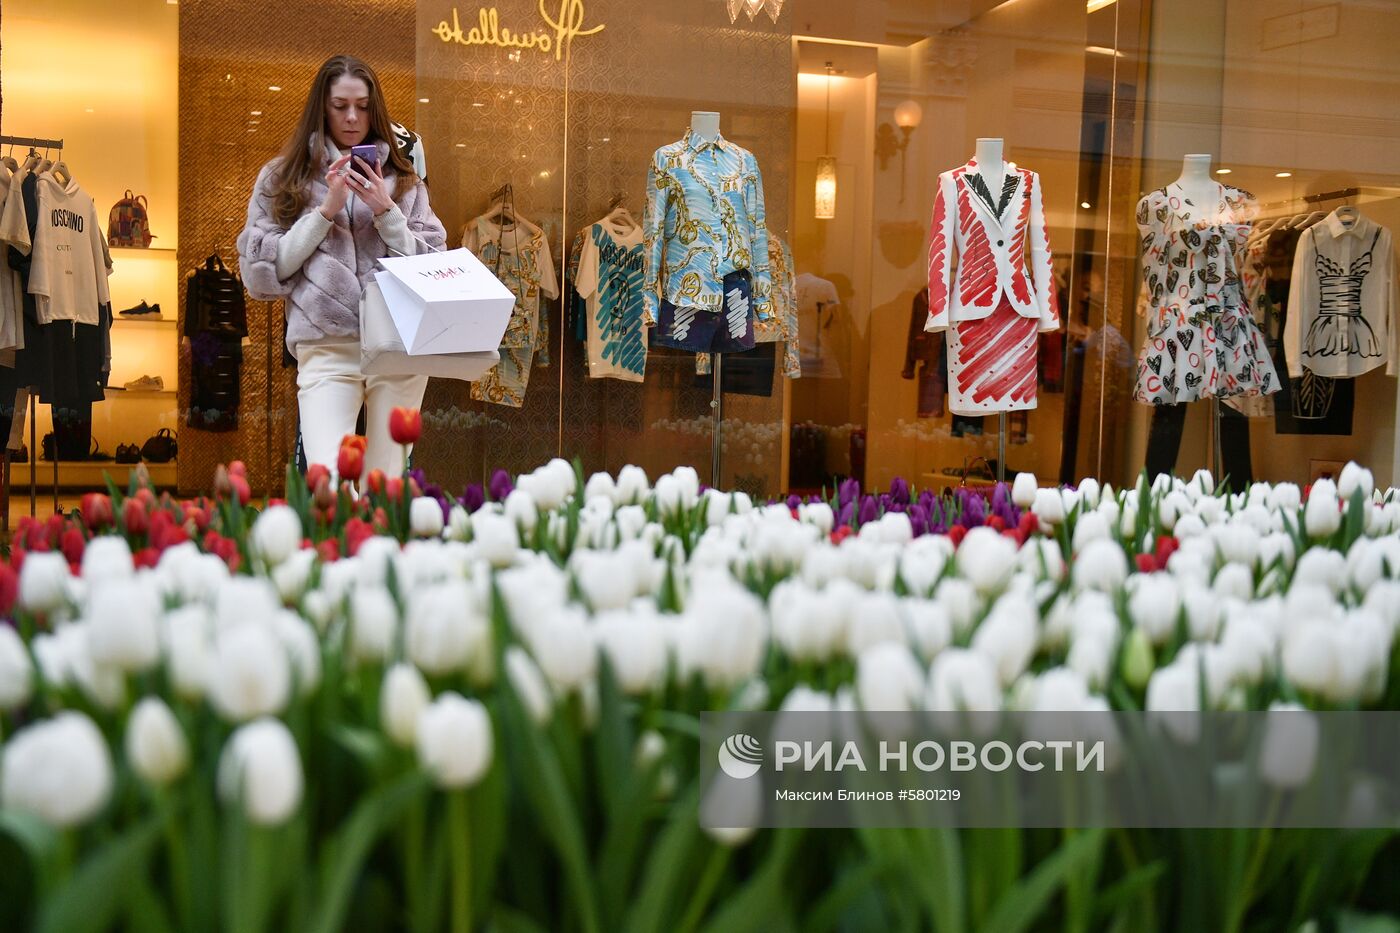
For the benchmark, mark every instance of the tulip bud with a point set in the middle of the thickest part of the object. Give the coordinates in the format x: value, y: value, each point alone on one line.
x: 455, y: 744
x: 261, y: 769
x: 43, y: 581
x: 315, y: 473
x: 350, y: 462
x: 402, y: 700
x: 16, y: 670
x: 96, y: 510
x: 425, y: 517
x: 1138, y: 663
x: 1023, y: 490
x: 58, y: 769
x: 1322, y: 515
x: 1289, y: 750
x: 155, y: 744
x: 405, y: 425
x: 393, y: 488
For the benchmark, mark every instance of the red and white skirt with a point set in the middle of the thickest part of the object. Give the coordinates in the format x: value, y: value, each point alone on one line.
x: 992, y: 363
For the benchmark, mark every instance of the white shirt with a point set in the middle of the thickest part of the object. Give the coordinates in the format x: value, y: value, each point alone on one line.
x: 68, y: 274
x: 814, y: 297
x: 1342, y: 299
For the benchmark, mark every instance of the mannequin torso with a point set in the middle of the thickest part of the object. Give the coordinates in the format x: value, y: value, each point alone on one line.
x: 990, y: 164
x: 1196, y: 184
x: 705, y: 124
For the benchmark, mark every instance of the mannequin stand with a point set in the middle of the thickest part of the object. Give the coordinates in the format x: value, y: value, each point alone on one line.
x: 717, y: 409
x: 1217, y: 454
x: 1001, y: 447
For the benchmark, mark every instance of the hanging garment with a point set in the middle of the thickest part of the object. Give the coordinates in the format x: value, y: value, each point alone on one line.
x: 999, y: 302
x: 216, y: 321
x: 924, y: 356
x: 1202, y: 341
x: 609, y: 279
x: 521, y: 260
x: 704, y: 222
x: 781, y: 325
x: 69, y: 264
x: 819, y: 344
x: 576, y: 307
x: 1342, y: 299
x: 11, y: 297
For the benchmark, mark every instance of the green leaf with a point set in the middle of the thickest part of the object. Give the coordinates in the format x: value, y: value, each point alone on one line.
x: 144, y: 911
x: 90, y: 899
x: 509, y: 920
x: 761, y: 903
x: 668, y: 863
x: 1121, y: 894
x: 345, y: 853
x: 1018, y: 909
x: 833, y: 907
x: 35, y: 837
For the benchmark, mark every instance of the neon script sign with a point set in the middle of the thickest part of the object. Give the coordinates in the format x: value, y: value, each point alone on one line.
x: 557, y: 31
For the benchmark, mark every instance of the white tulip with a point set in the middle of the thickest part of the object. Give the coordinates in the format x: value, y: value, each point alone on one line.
x: 1049, y: 507
x: 16, y: 670
x: 1154, y: 603
x: 459, y: 523
x: 873, y: 618
x: 1203, y: 483
x: 1127, y: 521
x: 187, y: 639
x: 1008, y: 636
x: 455, y: 743
x: 1322, y: 516
x: 987, y: 560
x: 1202, y: 610
x: 818, y: 514
x: 260, y: 768
x: 250, y: 675
x: 43, y: 581
x: 1102, y: 566
x: 520, y: 508
x: 1090, y: 492
x: 1211, y: 510
x: 888, y: 678
x: 443, y: 630
x: 1234, y: 580
x: 1288, y: 753
x: 303, y: 649
x: 1091, y: 526
x: 635, y: 648
x: 425, y: 517
x: 242, y: 600
x: 1042, y: 559
x: 122, y: 625
x: 276, y: 534
x: 1058, y: 690
x: 962, y: 601
x: 293, y: 575
x: 529, y: 684
x: 563, y: 478
x: 964, y: 681
x: 667, y: 495
x: 738, y: 805
x: 1093, y: 646
x: 1173, y: 506
x: 689, y: 485
x: 1173, y: 696
x: 566, y: 649
x: 1023, y: 490
x: 600, y: 486
x: 374, y: 623
x: 402, y: 699
x: 1189, y: 526
x: 107, y: 557
x: 104, y: 684
x: 156, y: 746
x: 733, y: 625
x: 58, y: 769
x: 632, y: 485
x: 1323, y: 567
x: 1355, y: 478
x: 930, y: 628
x: 806, y: 625
x: 495, y: 537
x: 1250, y: 646
x: 1285, y: 497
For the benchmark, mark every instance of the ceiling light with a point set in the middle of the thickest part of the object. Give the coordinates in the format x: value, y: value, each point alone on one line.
x: 1102, y: 50
x: 1085, y: 204
x: 1092, y: 6
x: 89, y: 110
x: 422, y: 100
x: 477, y: 103
x: 274, y: 88
x: 256, y: 113
x: 1223, y: 171
x: 607, y: 139
x: 1283, y: 174
x: 461, y: 146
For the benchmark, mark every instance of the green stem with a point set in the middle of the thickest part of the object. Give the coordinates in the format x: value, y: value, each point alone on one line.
x: 460, y: 843
x: 1239, y: 905
x: 179, y: 871
x: 705, y: 889
x: 413, y: 864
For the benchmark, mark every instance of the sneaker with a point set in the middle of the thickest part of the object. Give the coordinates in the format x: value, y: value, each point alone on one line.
x: 145, y: 384
x: 141, y: 310
x: 128, y: 453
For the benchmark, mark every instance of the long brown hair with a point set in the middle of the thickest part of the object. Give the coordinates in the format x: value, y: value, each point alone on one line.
x: 297, y: 165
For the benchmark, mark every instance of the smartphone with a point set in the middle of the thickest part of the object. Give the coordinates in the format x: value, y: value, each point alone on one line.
x: 368, y: 152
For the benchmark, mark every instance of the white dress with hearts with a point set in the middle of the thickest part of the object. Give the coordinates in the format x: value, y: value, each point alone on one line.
x: 1202, y: 341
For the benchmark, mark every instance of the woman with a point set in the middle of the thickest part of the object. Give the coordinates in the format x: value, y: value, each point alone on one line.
x: 317, y: 221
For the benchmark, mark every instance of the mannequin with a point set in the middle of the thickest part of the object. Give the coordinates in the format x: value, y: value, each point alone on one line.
x: 705, y: 124
x: 990, y: 164
x: 1196, y: 183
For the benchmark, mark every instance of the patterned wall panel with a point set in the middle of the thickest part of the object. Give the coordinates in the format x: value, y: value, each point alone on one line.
x: 231, y: 53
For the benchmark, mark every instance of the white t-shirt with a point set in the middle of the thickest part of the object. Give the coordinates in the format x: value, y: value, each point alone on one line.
x: 11, y: 300
x: 610, y: 282
x: 815, y: 297
x: 68, y: 275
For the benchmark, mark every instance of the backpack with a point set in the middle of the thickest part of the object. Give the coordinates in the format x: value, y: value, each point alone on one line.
x: 128, y: 223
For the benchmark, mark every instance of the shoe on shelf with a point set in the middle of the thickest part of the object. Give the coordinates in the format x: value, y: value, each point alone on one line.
x: 145, y: 384
x: 128, y: 453
x: 141, y: 310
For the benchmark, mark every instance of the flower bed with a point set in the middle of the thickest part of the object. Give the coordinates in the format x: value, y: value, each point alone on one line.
x: 427, y: 713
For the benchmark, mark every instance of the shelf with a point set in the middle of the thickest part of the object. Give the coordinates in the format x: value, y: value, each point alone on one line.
x: 141, y: 249
x: 152, y: 393
x: 148, y: 319
x: 87, y: 475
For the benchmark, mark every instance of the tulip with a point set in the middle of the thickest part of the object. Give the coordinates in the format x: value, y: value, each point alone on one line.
x: 529, y: 684
x: 402, y: 699
x: 156, y: 747
x: 58, y: 769
x: 9, y: 587
x: 260, y: 768
x: 276, y: 534
x: 987, y: 560
x: 405, y: 425
x: 121, y: 628
x: 16, y: 670
x: 250, y: 675
x: 635, y: 648
x: 1322, y: 516
x: 315, y: 473
x: 107, y: 557
x: 96, y: 509
x: 425, y: 517
x: 964, y: 681
x: 1288, y: 753
x: 1008, y: 636
x: 496, y: 538
x: 444, y: 631
x: 43, y: 582
x: 241, y: 489
x: 1137, y: 662
x: 1023, y: 490
x: 520, y: 508
x: 888, y: 678
x: 374, y: 622
x: 1172, y: 693
x: 454, y: 742
x: 1049, y: 507
x: 350, y: 462
x: 187, y: 644
x: 303, y: 648
x: 1355, y: 479
x: 1101, y: 566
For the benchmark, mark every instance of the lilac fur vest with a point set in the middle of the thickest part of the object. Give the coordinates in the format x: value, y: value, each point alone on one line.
x: 323, y: 297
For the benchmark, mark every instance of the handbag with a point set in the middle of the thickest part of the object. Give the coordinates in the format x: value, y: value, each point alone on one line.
x: 382, y: 351
x: 128, y: 223
x: 160, y: 447
x: 214, y: 302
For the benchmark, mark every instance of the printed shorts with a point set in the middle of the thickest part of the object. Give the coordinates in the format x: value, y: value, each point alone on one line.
x: 700, y: 331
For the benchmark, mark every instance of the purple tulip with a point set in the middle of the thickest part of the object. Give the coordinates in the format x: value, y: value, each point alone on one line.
x: 869, y: 511
x: 899, y: 490
x: 974, y: 511
x: 793, y: 501
x: 501, y: 486
x: 473, y: 497
x: 918, y: 519
x: 848, y: 514
x: 848, y: 491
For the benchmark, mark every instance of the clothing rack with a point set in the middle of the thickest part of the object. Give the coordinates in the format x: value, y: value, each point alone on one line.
x: 1337, y: 195
x: 33, y: 142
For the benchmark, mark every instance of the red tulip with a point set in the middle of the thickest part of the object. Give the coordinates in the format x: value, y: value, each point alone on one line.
x: 357, y: 531
x: 393, y: 488
x: 198, y: 515
x: 957, y: 533
x: 72, y: 545
x: 9, y: 588
x: 315, y: 473
x: 996, y: 523
x: 329, y: 550
x: 96, y: 509
x: 134, y: 517
x: 223, y: 484
x: 238, y: 468
x: 405, y: 425
x: 240, y: 487
x: 146, y: 557
x: 351, y: 461
x: 322, y: 494
x: 375, y: 481
x: 1146, y: 563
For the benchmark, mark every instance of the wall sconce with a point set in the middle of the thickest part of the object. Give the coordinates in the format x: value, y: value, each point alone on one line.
x: 907, y: 116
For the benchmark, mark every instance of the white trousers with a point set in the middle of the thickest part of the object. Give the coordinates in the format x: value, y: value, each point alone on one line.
x: 330, y: 390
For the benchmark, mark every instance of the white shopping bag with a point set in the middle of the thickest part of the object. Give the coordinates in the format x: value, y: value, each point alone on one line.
x: 445, y: 302
x: 382, y: 346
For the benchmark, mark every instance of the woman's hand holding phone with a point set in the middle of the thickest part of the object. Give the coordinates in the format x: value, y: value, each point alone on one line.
x: 370, y: 185
x: 338, y: 192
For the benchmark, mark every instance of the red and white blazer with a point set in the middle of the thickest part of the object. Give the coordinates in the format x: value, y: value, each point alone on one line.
x: 989, y: 237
